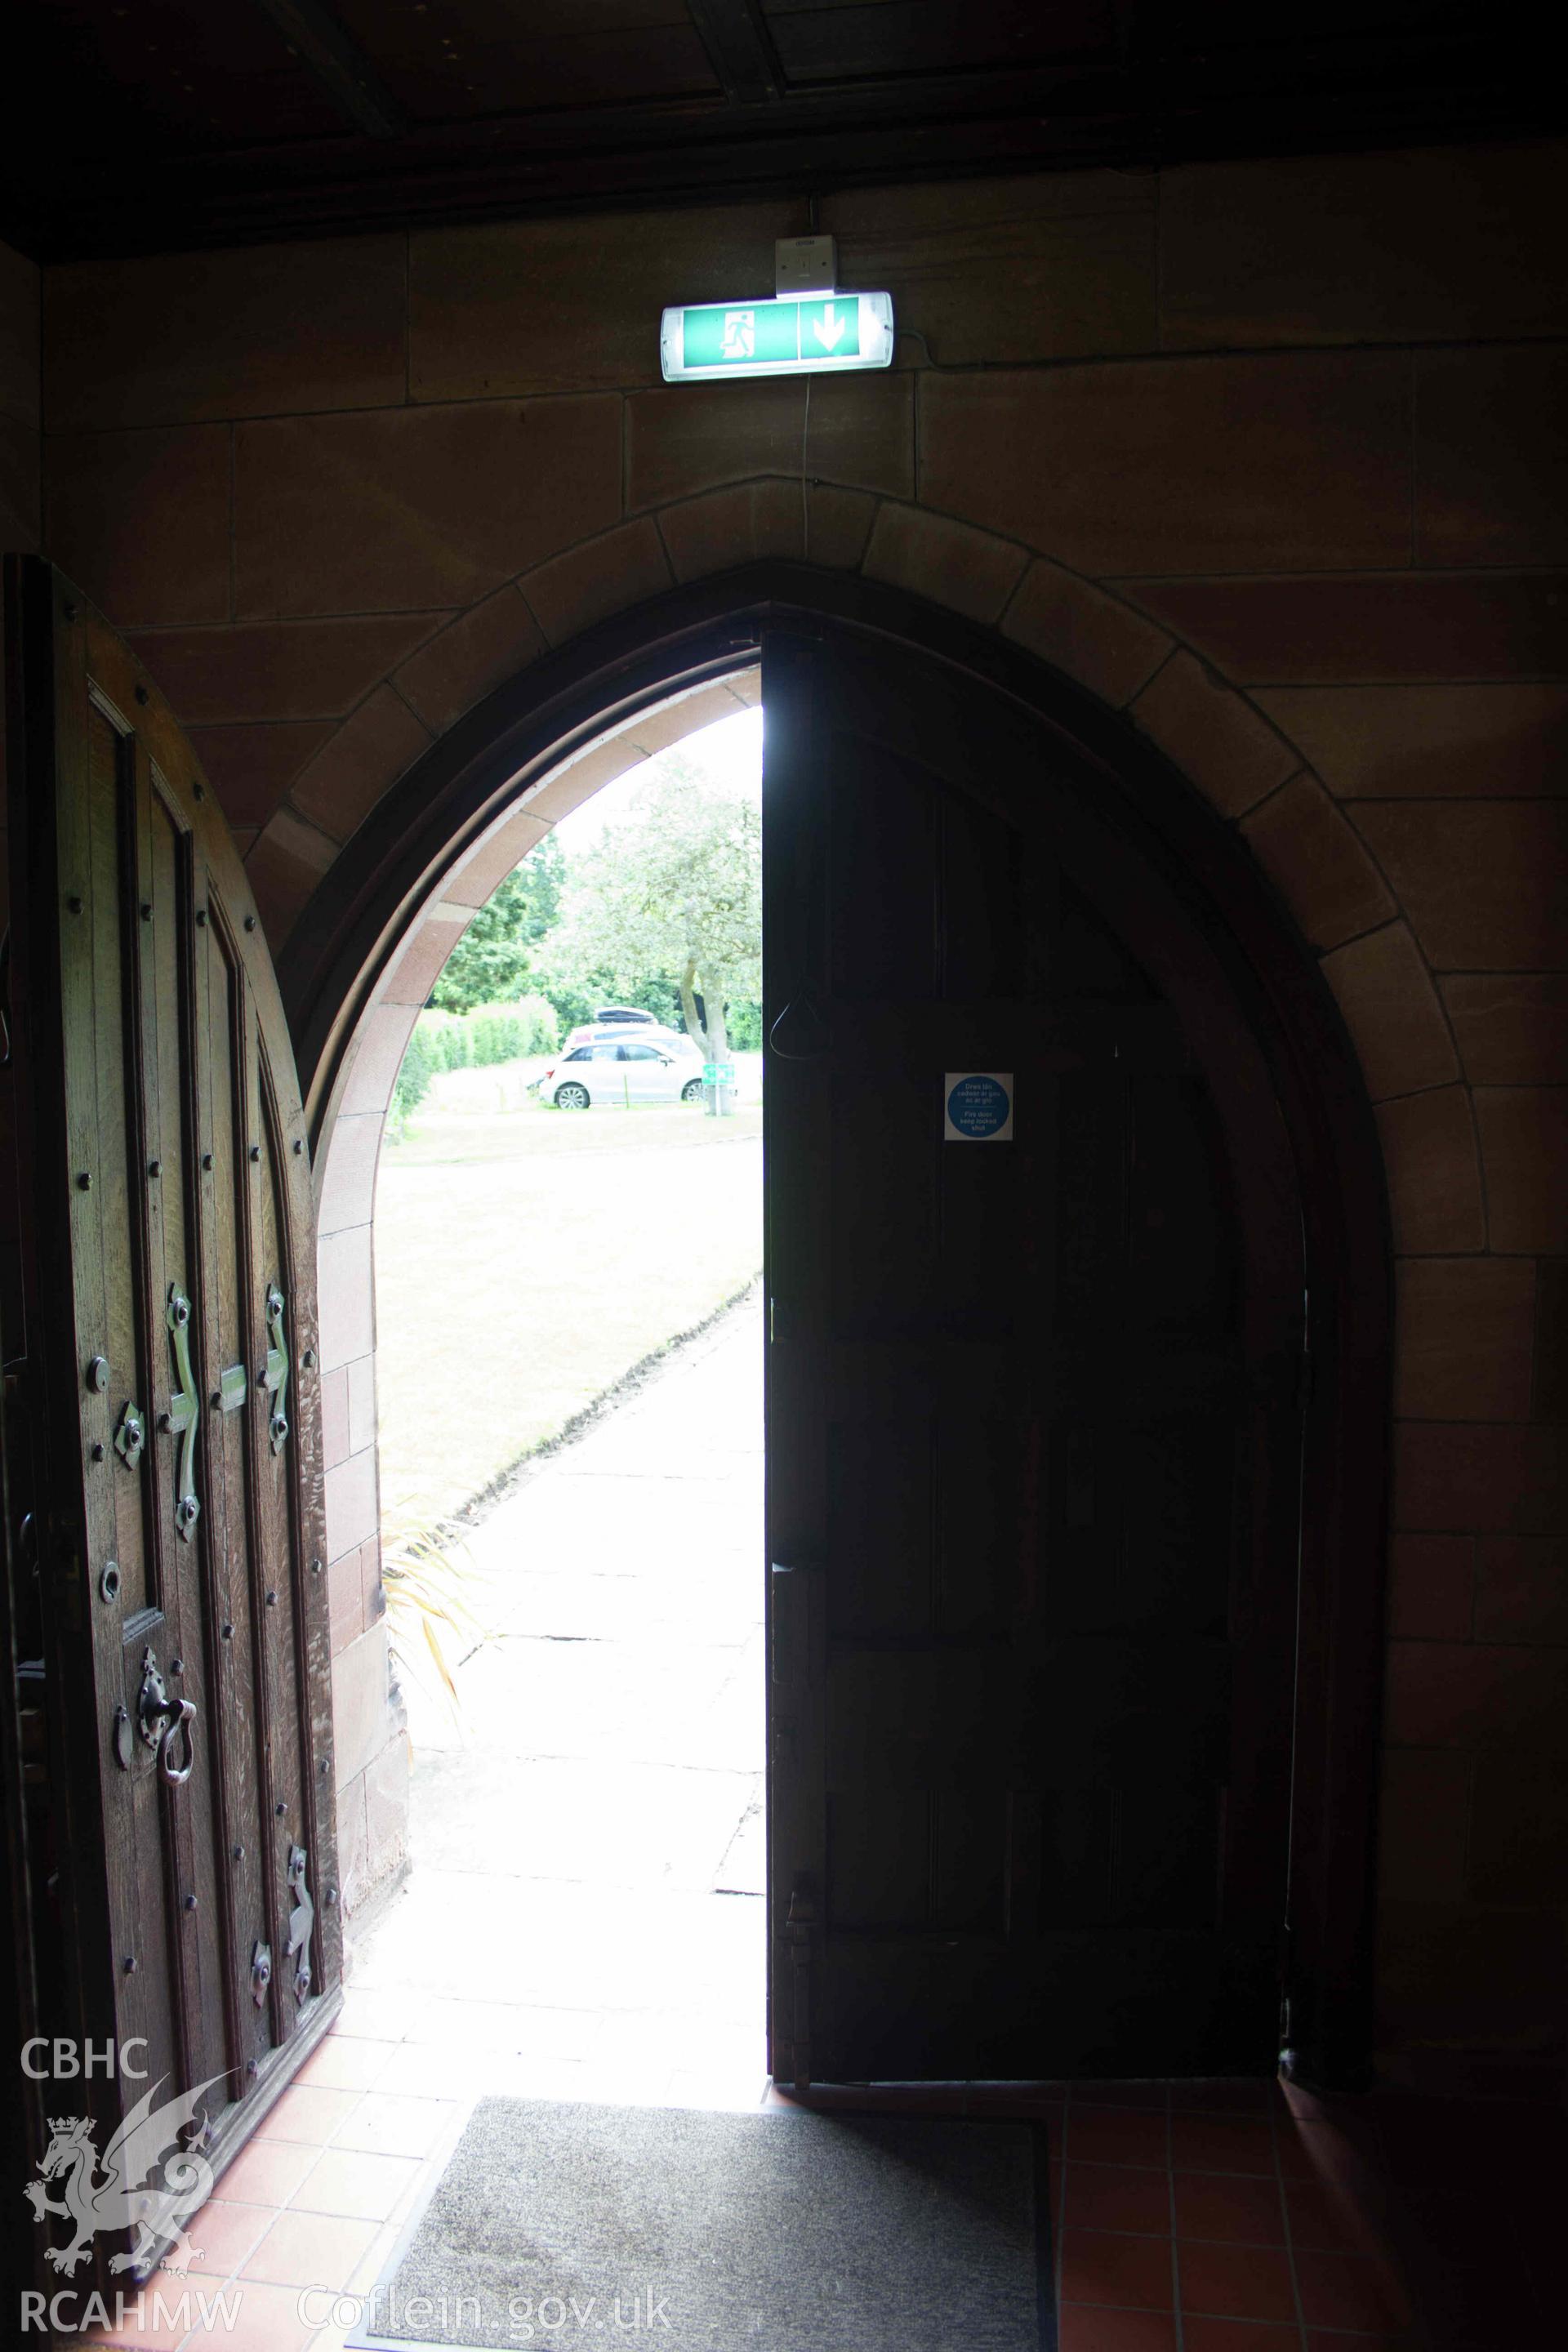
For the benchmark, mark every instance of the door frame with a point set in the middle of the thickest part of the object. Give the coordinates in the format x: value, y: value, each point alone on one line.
x: 376, y: 893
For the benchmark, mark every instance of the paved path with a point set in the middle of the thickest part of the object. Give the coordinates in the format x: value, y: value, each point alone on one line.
x: 587, y: 1889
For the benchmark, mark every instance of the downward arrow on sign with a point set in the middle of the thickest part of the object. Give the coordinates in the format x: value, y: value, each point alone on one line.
x: 829, y: 328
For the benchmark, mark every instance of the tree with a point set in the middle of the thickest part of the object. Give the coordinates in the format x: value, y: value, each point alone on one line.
x: 492, y: 962
x: 674, y: 893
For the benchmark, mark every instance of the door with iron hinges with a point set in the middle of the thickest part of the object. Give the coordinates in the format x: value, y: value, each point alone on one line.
x: 1035, y: 1281
x: 175, y: 1592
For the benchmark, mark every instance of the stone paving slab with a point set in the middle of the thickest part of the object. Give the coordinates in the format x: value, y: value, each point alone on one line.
x: 562, y: 1932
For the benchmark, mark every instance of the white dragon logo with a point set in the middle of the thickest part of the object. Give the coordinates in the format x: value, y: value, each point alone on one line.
x: 148, y: 2141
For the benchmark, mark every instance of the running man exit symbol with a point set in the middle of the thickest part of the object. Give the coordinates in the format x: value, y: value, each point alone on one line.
x: 740, y: 334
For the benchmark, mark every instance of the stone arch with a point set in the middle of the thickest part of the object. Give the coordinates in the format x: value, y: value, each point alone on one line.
x: 385, y: 917
x: 1223, y: 739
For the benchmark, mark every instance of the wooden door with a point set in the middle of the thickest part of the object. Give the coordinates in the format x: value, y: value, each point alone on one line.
x: 1033, y: 1416
x: 179, y: 1609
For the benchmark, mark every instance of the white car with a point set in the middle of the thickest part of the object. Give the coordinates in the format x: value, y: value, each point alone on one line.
x: 652, y: 1032
x: 619, y: 1074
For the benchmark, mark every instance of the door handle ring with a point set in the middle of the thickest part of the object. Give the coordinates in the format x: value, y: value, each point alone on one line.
x: 180, y: 1721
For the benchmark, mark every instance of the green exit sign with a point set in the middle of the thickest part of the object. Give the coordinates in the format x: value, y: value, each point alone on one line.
x: 827, y: 331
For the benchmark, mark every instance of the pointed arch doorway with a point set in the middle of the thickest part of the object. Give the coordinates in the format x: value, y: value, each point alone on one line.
x: 1076, y: 1442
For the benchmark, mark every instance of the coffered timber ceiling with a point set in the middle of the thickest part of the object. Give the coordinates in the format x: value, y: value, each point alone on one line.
x: 146, y: 125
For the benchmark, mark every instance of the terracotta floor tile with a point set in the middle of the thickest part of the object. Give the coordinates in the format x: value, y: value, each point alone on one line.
x: 1314, y: 2151
x: 1099, y: 2266
x: 224, y: 2233
x: 437, y: 2070
x: 377, y: 2016
x: 387, y: 2124
x: 1325, y: 2219
x: 268, y: 2172
x: 346, y: 2062
x: 1246, y: 2335
x: 267, y: 2320
x: 303, y: 2250
x: 1114, y: 2135
x: 1118, y: 2197
x: 1221, y: 2144
x: 308, y: 2115
x: 1224, y: 2096
x: 350, y: 2181
x: 1087, y: 2328
x: 1154, y: 2095
x: 1241, y: 2208
x: 1236, y: 2282
x: 1351, y: 2291
x: 162, y: 2324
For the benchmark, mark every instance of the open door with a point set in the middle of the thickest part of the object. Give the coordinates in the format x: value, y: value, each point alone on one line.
x: 172, y: 1596
x: 1033, y: 1413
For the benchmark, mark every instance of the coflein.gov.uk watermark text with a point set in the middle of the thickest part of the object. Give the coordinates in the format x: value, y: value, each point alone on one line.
x: 217, y: 2311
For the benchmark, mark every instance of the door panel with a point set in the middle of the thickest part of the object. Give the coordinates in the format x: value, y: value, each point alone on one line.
x: 1032, y: 1420
x: 170, y: 1338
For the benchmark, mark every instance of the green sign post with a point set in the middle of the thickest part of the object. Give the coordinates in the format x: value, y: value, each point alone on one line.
x: 719, y: 1073
x: 815, y: 335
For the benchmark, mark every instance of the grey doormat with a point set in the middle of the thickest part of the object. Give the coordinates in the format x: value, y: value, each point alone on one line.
x: 778, y: 2230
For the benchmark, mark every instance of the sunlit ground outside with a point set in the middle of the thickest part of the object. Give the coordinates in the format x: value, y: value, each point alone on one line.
x: 584, y: 1916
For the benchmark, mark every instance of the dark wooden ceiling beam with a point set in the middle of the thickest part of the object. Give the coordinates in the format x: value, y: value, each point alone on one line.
x: 740, y: 49
x: 341, y: 68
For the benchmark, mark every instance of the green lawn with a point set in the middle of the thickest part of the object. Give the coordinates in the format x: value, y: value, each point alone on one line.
x: 526, y: 1258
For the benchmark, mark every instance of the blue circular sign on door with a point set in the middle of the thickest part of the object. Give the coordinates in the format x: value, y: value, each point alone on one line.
x: 979, y: 1107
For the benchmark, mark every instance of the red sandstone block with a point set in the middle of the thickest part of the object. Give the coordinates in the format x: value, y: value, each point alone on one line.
x: 1525, y: 1151
x: 1058, y: 265
x: 950, y: 562
x: 1522, y: 1588
x: 1318, y: 863
x: 1093, y: 637
x: 1344, y: 629
x: 1431, y: 1587
x: 264, y: 330
x: 573, y: 305
x: 1491, y: 457
x: 19, y: 361
x: 1453, y: 1476
x: 589, y: 582
x: 695, y: 436
x: 285, y: 669
x: 398, y: 509
x: 1511, y: 1027
x: 860, y: 432
x: 1469, y: 1695
x: 352, y: 771
x: 1463, y: 1339
x: 1519, y: 1852
x: 1278, y: 463
x: 142, y: 521
x: 1423, y: 1834
x: 1392, y: 1012
x: 1428, y: 743
x: 724, y: 529
x: 1481, y: 882
x: 250, y: 767
x: 1439, y: 245
x: 476, y: 652
x: 21, y: 487
x: 1470, y: 1976
x: 1213, y: 734
x: 1433, y: 1165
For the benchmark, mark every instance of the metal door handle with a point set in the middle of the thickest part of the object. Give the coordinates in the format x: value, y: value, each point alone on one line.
x: 176, y: 1724
x: 802, y: 1032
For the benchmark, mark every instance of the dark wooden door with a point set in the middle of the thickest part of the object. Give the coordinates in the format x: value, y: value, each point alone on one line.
x: 179, y: 1609
x: 1032, y: 1425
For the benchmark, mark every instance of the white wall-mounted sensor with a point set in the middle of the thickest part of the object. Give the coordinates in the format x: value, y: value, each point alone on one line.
x: 806, y: 265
